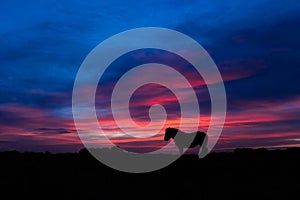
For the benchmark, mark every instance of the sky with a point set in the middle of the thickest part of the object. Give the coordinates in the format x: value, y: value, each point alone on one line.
x: 254, y: 44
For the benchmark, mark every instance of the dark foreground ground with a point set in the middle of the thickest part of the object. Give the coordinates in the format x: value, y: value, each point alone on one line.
x: 243, y: 174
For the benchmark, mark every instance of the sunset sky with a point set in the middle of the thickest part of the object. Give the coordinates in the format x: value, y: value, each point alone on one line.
x: 255, y: 45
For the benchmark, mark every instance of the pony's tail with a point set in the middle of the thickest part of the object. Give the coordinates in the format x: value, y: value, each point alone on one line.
x: 204, y: 150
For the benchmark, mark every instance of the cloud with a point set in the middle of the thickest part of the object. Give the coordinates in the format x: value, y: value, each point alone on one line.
x: 27, y: 129
x: 260, y: 121
x: 54, y: 130
x: 43, y: 44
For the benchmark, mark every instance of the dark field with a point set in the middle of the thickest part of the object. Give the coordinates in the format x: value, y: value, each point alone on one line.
x: 243, y: 174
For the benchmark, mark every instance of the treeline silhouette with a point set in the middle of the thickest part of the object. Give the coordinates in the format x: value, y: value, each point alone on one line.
x: 244, y: 173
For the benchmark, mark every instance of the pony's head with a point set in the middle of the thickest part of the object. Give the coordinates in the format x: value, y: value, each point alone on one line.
x: 170, y: 133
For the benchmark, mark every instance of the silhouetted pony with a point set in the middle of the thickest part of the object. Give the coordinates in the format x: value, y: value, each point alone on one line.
x: 187, y: 140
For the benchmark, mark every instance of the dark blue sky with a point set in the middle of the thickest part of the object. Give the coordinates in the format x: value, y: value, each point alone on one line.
x: 255, y: 45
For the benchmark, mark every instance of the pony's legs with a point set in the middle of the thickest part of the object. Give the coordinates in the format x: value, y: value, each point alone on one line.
x: 204, y: 150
